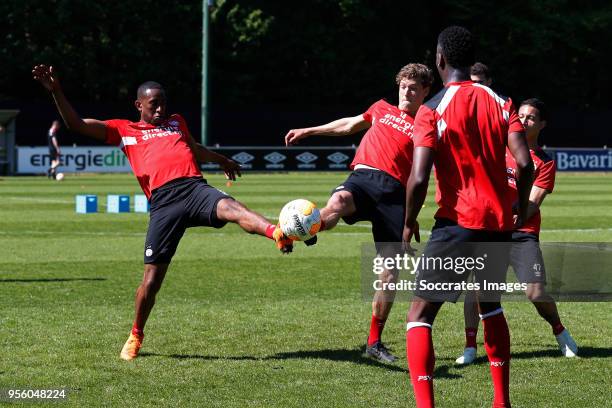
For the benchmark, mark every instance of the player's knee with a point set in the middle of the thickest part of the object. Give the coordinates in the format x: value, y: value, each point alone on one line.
x: 423, y: 311
x: 535, y: 292
x: 230, y: 210
x: 416, y: 316
x: 340, y: 201
x: 340, y: 204
x: 153, y: 277
x: 388, y: 276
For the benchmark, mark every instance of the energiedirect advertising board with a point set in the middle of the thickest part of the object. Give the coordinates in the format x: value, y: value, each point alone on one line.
x: 74, y: 159
x: 32, y: 160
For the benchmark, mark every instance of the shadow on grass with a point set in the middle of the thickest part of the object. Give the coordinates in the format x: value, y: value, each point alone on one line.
x: 50, y: 280
x: 356, y: 356
x: 583, y: 352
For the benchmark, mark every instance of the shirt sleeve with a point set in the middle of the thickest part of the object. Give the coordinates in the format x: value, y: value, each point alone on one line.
x: 546, y: 176
x: 514, y: 123
x: 183, y: 127
x: 367, y: 115
x: 425, y: 129
x: 113, y: 137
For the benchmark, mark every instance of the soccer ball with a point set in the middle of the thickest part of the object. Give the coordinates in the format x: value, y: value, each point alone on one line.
x: 300, y: 220
x: 59, y: 176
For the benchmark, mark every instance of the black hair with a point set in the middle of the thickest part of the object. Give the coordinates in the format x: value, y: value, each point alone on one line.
x: 539, y: 105
x: 142, y: 89
x: 457, y: 46
x: 480, y: 69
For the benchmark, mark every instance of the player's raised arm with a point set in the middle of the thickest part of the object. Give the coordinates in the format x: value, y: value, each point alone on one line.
x: 339, y: 127
x: 89, y: 127
x: 524, y: 172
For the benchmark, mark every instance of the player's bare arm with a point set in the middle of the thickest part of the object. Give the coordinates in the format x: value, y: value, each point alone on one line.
x: 416, y: 191
x: 536, y: 198
x: 48, y: 78
x: 230, y: 167
x: 524, y: 170
x: 339, y: 127
x: 203, y: 155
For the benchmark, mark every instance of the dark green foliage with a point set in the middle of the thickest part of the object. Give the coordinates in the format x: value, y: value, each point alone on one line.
x: 302, y: 53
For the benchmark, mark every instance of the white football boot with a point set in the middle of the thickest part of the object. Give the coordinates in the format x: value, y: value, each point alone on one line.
x: 567, y: 345
x: 468, y: 357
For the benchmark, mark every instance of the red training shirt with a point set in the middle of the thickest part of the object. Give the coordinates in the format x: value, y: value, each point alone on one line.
x: 387, y: 145
x: 467, y: 124
x: 157, y: 154
x: 543, y: 177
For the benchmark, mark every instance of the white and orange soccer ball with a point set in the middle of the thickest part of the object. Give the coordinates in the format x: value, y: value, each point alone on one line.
x: 300, y: 220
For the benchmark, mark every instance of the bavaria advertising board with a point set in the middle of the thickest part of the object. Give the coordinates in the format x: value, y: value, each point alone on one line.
x: 581, y: 159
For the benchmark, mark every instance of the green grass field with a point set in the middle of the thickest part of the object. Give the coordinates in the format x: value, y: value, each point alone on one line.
x: 237, y: 324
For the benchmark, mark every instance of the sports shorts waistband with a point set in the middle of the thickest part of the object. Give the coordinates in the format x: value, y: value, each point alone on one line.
x: 176, y: 182
x: 365, y: 167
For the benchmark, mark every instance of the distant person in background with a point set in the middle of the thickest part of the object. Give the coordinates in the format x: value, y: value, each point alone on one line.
x: 479, y: 73
x: 54, y: 149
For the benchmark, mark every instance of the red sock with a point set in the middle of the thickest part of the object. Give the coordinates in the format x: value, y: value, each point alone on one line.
x: 470, y: 336
x: 376, y: 329
x: 421, y: 360
x: 497, y: 346
x: 557, y: 328
x: 270, y: 230
x: 137, y: 331
x: 322, y: 225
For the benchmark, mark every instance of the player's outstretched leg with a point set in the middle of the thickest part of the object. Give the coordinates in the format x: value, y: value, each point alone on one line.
x: 497, y: 346
x: 145, y: 299
x: 470, y: 314
x: 420, y: 351
x: 546, y: 307
x: 230, y: 210
x: 340, y: 204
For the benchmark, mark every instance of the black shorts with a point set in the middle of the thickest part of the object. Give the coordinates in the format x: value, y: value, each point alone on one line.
x: 450, y: 240
x: 380, y: 199
x: 526, y: 258
x: 53, y: 154
x: 176, y: 206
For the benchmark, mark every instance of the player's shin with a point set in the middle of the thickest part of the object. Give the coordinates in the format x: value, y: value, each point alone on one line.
x: 421, y: 361
x: 497, y: 346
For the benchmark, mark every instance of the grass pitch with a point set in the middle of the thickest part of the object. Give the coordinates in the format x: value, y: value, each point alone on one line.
x: 237, y: 324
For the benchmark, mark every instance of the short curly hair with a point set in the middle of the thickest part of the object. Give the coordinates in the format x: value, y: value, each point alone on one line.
x: 416, y: 71
x: 457, y: 46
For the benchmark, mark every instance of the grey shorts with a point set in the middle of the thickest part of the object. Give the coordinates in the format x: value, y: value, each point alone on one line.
x: 526, y: 258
